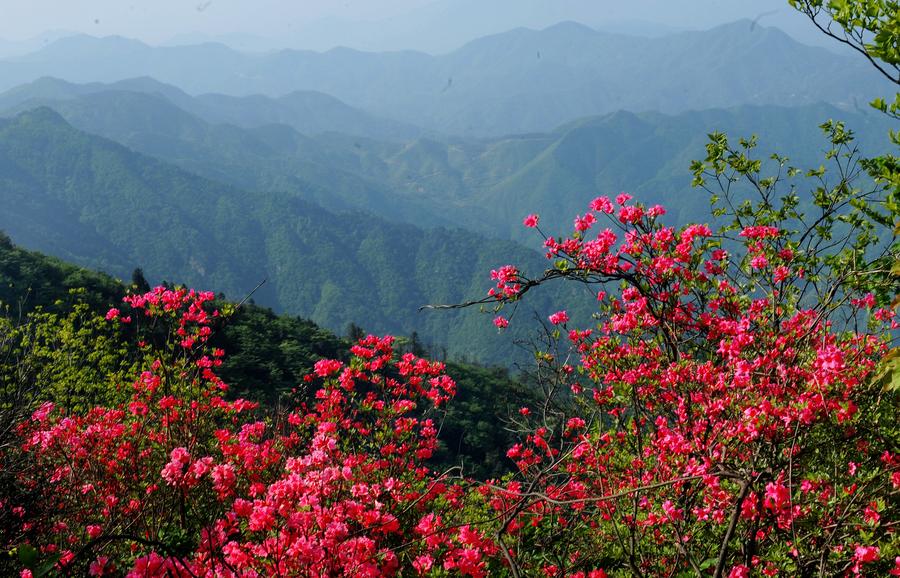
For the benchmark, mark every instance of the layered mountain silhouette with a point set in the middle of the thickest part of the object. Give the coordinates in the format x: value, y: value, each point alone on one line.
x: 363, y: 185
x: 430, y: 180
x: 308, y: 112
x: 518, y: 81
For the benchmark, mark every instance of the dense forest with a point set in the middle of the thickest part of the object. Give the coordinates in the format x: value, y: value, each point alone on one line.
x: 94, y: 202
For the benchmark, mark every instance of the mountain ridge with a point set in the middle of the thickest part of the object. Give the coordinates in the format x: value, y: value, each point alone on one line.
x: 486, y: 183
x: 99, y: 204
x: 517, y: 81
x: 308, y: 112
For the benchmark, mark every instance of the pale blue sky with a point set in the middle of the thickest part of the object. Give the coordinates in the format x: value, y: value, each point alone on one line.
x: 430, y: 25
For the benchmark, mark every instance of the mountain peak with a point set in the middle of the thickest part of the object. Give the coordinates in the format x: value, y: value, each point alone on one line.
x: 50, y: 81
x: 43, y: 85
x: 40, y: 115
x: 79, y: 44
x: 570, y: 27
x: 745, y: 27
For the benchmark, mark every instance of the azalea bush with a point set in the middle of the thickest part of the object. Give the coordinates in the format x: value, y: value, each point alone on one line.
x: 181, y: 481
x: 725, y: 414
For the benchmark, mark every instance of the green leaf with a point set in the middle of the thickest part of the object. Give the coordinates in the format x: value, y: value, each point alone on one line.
x: 890, y: 373
x: 28, y: 556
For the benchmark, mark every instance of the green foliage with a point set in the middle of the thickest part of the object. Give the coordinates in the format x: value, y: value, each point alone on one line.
x: 477, y: 431
x: 56, y: 344
x: 269, y: 354
x: 29, y: 279
x: 839, y: 223
x: 871, y: 27
x: 80, y: 360
x: 40, y: 566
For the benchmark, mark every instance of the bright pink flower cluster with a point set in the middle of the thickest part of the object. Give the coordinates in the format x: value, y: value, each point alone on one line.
x: 508, y: 285
x: 331, y: 489
x: 711, y: 392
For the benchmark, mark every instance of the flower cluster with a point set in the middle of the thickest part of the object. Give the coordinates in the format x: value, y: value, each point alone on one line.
x: 729, y: 420
x: 182, y: 482
x: 713, y: 420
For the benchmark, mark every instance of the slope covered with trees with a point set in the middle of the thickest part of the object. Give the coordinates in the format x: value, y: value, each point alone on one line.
x: 54, y: 332
x: 96, y: 203
x: 488, y: 184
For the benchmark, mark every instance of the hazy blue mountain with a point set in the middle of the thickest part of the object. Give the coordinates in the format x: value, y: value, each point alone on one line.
x: 486, y: 185
x: 519, y: 81
x: 439, y: 26
x: 271, y: 157
x: 308, y: 112
x: 48, y: 88
x: 239, y: 41
x: 97, y: 203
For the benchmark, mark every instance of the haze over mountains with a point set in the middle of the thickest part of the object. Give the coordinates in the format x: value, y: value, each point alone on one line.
x: 519, y: 81
x: 364, y: 185
x: 427, y: 180
x: 308, y: 112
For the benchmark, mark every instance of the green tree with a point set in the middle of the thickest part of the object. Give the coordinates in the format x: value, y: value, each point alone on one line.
x: 80, y: 359
x: 139, y: 282
x: 872, y: 28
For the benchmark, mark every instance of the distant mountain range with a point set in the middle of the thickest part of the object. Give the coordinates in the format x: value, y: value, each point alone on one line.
x: 308, y: 112
x: 519, y: 81
x: 429, y: 180
x: 440, y: 26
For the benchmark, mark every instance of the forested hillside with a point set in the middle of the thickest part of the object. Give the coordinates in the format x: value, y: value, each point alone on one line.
x: 268, y: 355
x: 98, y: 204
x: 488, y: 184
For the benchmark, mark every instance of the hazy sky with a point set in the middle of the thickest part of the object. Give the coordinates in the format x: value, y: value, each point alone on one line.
x: 431, y: 25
